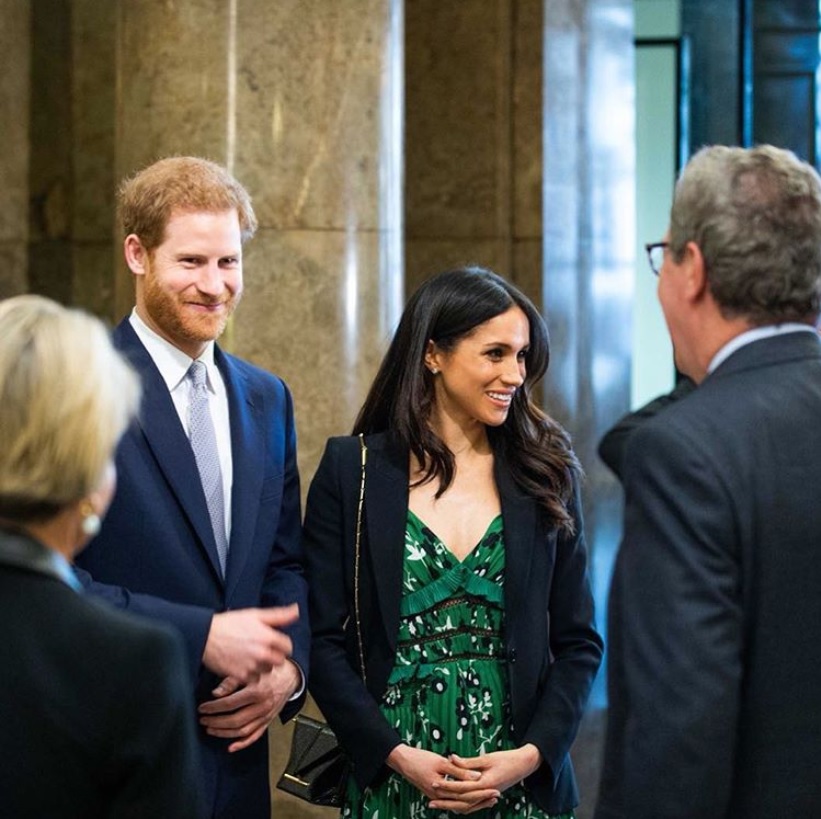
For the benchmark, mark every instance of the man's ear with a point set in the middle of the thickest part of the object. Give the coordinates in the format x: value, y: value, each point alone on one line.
x: 136, y: 256
x: 695, y: 278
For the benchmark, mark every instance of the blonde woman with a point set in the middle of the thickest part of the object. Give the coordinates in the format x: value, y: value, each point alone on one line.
x: 94, y: 706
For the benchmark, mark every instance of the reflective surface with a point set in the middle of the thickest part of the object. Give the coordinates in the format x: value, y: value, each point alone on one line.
x: 589, y: 228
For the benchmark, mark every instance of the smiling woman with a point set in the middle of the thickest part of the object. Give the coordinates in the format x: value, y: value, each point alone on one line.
x: 479, y: 377
x: 470, y: 509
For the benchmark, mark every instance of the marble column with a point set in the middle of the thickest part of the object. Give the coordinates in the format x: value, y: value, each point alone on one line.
x: 15, y: 83
x: 473, y: 144
x: 60, y: 148
x: 589, y: 235
x: 319, y: 101
x: 51, y: 182
x: 96, y: 249
x: 174, y: 68
x: 303, y: 101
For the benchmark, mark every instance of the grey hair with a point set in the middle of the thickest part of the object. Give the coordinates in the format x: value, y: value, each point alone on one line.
x: 755, y: 214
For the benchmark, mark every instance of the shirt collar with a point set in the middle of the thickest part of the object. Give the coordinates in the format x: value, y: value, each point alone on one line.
x: 172, y: 362
x: 756, y: 334
x: 22, y: 551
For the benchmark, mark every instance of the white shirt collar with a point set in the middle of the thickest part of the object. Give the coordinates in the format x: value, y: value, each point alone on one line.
x: 172, y: 362
x: 756, y: 334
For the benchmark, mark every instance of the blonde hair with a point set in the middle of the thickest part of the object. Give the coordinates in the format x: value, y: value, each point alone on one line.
x: 148, y: 199
x: 66, y: 397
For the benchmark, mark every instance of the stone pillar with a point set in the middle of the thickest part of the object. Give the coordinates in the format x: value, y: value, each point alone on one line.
x: 174, y: 70
x: 15, y: 82
x: 319, y: 103
x: 473, y: 143
x: 62, y: 147
x: 303, y: 101
x: 96, y: 249
x: 51, y: 183
x: 589, y: 226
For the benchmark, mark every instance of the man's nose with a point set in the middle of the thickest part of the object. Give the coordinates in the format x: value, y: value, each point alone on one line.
x: 211, y: 280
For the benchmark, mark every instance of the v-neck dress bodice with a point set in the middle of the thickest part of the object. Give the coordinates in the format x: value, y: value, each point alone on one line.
x: 448, y: 691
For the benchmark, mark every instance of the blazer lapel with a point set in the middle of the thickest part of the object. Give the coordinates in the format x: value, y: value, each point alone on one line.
x: 386, y: 506
x: 167, y: 440
x: 245, y: 408
x: 519, y: 515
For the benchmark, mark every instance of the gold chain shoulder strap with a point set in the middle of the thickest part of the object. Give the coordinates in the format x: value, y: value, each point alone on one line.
x: 364, y: 450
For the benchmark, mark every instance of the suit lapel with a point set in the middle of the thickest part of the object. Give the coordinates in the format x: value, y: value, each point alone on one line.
x: 167, y: 440
x: 245, y: 408
x: 519, y: 516
x: 386, y: 506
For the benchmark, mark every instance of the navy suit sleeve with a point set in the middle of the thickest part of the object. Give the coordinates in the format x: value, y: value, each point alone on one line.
x: 575, y: 646
x: 285, y: 581
x: 351, y: 710
x: 676, y: 622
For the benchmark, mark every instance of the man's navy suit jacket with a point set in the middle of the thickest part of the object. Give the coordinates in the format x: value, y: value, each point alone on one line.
x: 156, y: 553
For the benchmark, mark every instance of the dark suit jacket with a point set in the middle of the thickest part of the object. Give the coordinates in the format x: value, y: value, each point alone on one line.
x: 156, y: 553
x: 715, y: 609
x: 614, y: 442
x: 553, y: 651
x: 79, y: 680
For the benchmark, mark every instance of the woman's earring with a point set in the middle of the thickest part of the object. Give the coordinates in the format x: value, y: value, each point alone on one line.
x: 91, y: 520
x: 434, y: 370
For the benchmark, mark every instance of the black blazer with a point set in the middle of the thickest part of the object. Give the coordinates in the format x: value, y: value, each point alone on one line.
x: 95, y: 706
x: 714, y: 666
x: 553, y: 650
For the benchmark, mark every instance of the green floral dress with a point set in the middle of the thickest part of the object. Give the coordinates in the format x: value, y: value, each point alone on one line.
x: 448, y: 689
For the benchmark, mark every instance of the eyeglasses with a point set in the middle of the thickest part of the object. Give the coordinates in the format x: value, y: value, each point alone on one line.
x: 655, y: 255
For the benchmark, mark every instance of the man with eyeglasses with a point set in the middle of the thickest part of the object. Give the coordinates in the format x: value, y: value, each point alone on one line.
x: 715, y: 607
x: 613, y: 444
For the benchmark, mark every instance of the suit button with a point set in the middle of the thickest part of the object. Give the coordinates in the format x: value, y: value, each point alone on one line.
x: 511, y: 655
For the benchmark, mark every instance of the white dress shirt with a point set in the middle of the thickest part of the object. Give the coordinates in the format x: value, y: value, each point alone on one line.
x: 756, y: 334
x: 173, y: 365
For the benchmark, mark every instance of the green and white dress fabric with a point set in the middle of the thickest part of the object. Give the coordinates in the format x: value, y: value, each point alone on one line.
x: 448, y: 689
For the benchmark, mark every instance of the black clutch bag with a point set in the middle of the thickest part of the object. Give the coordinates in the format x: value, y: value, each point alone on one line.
x: 317, y: 769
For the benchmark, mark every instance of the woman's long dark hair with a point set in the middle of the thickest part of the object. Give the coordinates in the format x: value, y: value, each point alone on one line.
x: 445, y: 309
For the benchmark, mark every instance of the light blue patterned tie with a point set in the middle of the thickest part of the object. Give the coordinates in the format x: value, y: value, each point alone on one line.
x: 204, y: 443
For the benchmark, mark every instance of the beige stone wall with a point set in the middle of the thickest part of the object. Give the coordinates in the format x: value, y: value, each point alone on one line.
x: 319, y: 145
x: 15, y: 81
x: 474, y: 138
x: 173, y: 64
x: 95, y: 246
